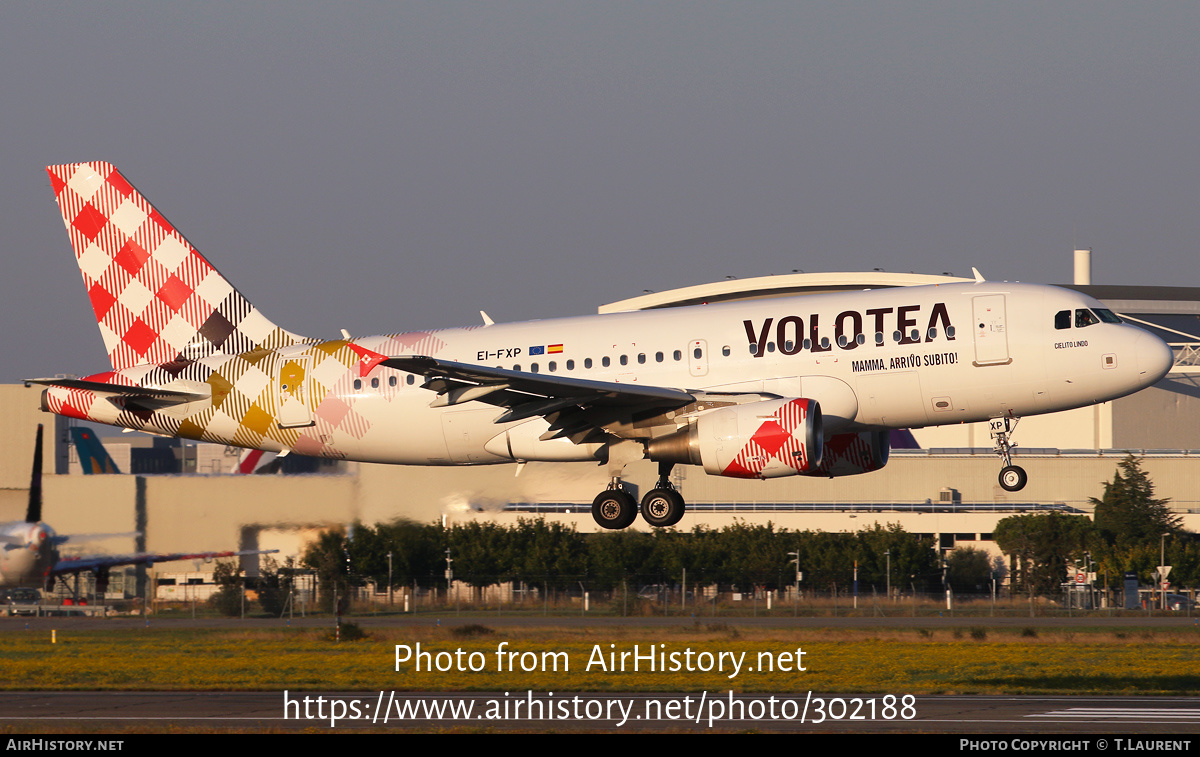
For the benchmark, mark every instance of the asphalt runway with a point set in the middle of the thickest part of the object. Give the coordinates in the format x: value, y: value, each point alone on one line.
x: 30, y: 712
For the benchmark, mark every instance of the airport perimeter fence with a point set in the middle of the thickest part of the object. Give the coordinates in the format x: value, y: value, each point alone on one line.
x: 661, y: 600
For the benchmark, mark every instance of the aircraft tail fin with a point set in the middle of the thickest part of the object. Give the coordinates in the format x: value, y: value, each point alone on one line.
x: 93, y: 457
x: 33, y: 513
x: 156, y: 299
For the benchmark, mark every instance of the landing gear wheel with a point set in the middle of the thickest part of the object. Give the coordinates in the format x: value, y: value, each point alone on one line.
x: 662, y: 507
x: 1013, y: 478
x: 614, y: 508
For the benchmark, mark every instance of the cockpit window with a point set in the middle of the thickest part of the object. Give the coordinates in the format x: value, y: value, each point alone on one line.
x: 1085, y: 317
x: 1107, y: 316
x: 1062, y: 319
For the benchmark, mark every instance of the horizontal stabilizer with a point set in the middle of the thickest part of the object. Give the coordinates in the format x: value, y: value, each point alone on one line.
x: 122, y: 390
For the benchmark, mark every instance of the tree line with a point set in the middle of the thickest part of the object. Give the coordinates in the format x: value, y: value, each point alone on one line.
x: 1131, y: 531
x: 559, y: 557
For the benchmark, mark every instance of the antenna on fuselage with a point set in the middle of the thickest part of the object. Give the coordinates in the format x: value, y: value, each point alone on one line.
x: 33, y: 513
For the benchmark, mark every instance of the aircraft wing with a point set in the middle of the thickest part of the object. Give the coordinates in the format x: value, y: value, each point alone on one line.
x: 69, y: 565
x: 531, y: 394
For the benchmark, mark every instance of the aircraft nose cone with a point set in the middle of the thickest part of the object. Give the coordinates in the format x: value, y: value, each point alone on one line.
x: 1154, y: 357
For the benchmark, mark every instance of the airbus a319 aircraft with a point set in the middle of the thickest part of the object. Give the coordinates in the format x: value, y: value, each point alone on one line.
x: 29, y: 548
x: 799, y: 386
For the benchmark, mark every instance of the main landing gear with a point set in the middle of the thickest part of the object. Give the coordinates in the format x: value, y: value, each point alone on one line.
x: 614, y: 507
x: 1012, y: 477
x: 662, y: 506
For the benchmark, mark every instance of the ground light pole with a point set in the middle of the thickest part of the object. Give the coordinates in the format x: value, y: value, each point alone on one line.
x: 796, y: 597
x: 1162, y: 577
x: 888, y: 555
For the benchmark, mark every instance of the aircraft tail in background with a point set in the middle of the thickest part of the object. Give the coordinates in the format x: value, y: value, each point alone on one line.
x: 93, y: 457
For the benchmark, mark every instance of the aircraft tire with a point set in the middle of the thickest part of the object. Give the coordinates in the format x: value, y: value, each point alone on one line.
x: 1013, y: 478
x: 662, y: 508
x: 614, y: 509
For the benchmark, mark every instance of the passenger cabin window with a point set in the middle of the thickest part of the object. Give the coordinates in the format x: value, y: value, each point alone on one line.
x: 1085, y: 317
x: 658, y: 357
x: 587, y: 362
x: 605, y: 361
x: 678, y: 356
x: 1062, y: 319
x: 725, y: 350
x: 641, y: 358
x: 570, y: 365
x: 375, y: 383
x: 357, y: 384
x: 553, y: 366
x: 624, y: 360
x: 410, y: 380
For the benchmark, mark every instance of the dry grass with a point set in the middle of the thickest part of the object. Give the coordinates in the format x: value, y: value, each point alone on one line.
x: 837, y: 660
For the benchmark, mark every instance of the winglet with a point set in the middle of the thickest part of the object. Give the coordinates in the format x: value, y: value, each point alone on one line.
x: 979, y: 279
x: 487, y: 319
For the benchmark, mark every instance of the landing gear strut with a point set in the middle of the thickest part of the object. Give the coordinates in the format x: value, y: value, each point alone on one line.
x: 663, y: 506
x: 614, y: 507
x: 1012, y: 477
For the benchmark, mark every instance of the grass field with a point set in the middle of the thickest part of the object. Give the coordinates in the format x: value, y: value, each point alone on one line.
x: 1150, y: 661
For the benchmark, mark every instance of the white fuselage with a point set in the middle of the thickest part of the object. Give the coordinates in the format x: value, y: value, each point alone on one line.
x: 1015, y: 364
x: 880, y: 359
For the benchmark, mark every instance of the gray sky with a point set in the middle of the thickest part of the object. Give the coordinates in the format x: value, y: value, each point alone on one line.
x: 392, y: 166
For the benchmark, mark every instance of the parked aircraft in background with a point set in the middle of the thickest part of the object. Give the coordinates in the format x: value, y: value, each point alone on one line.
x: 29, y: 548
x: 808, y: 385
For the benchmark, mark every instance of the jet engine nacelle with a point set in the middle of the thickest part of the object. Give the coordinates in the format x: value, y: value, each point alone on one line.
x: 850, y: 454
x: 765, y: 439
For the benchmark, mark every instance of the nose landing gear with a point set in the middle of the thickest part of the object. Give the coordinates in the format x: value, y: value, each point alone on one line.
x: 1012, y: 477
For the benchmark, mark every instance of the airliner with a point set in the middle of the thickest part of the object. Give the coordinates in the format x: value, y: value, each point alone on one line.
x: 29, y: 548
x: 790, y: 386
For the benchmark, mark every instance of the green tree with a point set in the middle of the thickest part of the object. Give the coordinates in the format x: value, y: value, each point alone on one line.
x: 274, y: 586
x: 1042, y: 546
x: 1129, y: 515
x: 968, y: 569
x: 327, y: 556
x: 227, y: 574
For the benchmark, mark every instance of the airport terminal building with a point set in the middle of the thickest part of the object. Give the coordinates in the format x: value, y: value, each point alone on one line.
x: 183, y: 496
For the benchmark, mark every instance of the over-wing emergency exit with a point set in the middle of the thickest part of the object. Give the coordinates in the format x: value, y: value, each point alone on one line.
x: 789, y: 386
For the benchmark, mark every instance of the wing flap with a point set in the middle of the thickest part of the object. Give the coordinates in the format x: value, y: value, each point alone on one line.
x: 514, y: 388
